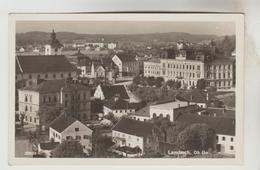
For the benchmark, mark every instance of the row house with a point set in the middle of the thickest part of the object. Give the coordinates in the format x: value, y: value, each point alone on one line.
x: 73, y: 97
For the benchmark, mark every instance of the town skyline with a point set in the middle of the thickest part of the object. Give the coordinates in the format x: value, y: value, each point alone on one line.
x: 128, y: 27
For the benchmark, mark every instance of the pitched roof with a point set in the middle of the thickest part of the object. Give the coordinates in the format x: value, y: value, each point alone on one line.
x: 194, y: 95
x: 117, y: 104
x: 133, y: 127
x: 144, y: 112
x: 62, y: 122
x: 225, y: 126
x: 111, y: 91
x: 221, y: 112
x: 43, y: 64
x: 52, y: 86
x: 126, y: 57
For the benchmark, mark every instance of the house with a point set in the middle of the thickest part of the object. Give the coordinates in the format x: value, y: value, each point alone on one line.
x: 66, y: 127
x: 220, y: 112
x: 73, y: 97
x: 46, y: 148
x: 104, y: 92
x: 118, y: 107
x: 47, y: 67
x: 169, y: 109
x: 131, y: 133
x: 224, y: 128
x: 194, y: 96
x: 142, y: 114
x: 111, y: 45
x: 126, y: 63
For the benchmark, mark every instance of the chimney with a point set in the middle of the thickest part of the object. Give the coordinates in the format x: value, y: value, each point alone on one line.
x: 61, y: 95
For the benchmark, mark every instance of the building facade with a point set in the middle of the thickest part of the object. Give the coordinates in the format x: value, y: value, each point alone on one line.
x: 74, y: 98
x: 220, y: 73
x: 68, y: 128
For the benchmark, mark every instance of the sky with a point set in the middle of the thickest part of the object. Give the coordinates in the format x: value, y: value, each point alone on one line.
x: 127, y: 27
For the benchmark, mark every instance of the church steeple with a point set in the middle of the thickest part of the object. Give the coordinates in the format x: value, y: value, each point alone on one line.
x: 53, y: 35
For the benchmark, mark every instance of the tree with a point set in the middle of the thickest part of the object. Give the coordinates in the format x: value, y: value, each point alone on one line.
x: 69, y: 149
x: 201, y: 84
x: 151, y: 81
x: 173, y: 132
x: 170, y: 83
x: 137, y: 80
x: 158, y: 81
x: 196, y: 137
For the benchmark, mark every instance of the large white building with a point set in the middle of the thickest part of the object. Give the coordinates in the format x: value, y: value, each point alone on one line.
x: 67, y: 128
x: 166, y: 109
x: 188, y: 72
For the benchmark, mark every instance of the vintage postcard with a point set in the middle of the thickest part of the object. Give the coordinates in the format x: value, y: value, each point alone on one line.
x: 111, y: 88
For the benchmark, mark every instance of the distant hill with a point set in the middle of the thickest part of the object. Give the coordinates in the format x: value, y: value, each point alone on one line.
x: 37, y: 37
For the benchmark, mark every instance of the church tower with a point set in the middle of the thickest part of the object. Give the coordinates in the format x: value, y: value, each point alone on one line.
x: 54, y: 46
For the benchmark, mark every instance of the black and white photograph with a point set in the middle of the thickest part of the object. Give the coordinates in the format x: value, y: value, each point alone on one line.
x: 168, y: 87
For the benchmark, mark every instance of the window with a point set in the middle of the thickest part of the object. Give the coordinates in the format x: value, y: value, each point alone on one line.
x: 26, y: 99
x: 46, y: 76
x: 30, y: 76
x: 69, y: 74
x: 61, y: 75
x: 217, y: 138
x: 87, y: 137
x: 30, y: 108
x: 78, y: 137
x: 231, y: 139
x: 30, y: 118
x: 54, y: 76
x: 223, y: 138
x: 68, y: 137
x: 231, y: 147
x: 26, y: 108
x: 30, y: 98
x: 76, y: 129
x: 198, y: 67
x: 54, y: 98
x: 39, y: 76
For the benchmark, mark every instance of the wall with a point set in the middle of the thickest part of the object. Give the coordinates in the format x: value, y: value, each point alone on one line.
x: 227, y: 143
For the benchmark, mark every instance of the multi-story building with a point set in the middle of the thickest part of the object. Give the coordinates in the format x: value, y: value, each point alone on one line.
x: 72, y: 97
x: 65, y: 127
x: 118, y: 107
x: 188, y: 72
x: 153, y: 68
x: 131, y: 133
x: 220, y: 73
x: 171, y: 109
x: 126, y: 63
x: 49, y: 67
